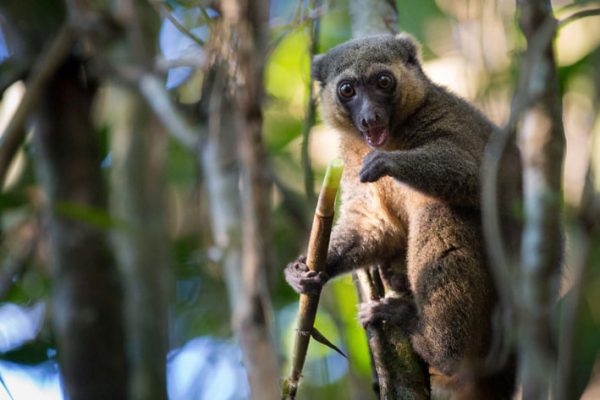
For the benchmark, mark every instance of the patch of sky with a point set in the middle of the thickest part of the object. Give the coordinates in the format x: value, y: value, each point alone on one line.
x: 177, y: 45
x: 205, y: 368
x: 282, y: 12
x: 4, y: 53
x: 19, y: 325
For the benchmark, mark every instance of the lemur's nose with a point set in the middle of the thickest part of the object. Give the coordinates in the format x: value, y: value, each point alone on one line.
x: 370, y: 120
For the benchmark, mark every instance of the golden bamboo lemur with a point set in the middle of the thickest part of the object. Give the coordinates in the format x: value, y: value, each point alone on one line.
x: 411, y: 190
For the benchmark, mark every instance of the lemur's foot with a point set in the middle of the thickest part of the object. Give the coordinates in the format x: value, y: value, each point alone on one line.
x: 393, y: 310
x: 302, y: 279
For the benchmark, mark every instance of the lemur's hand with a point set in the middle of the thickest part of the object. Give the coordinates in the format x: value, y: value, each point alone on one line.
x: 377, y: 164
x: 302, y: 279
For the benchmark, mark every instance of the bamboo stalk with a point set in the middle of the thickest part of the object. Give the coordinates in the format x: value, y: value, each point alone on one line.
x: 315, y: 260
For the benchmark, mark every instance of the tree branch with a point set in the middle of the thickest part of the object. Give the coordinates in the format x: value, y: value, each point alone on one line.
x: 162, y: 10
x: 43, y: 69
x: 159, y: 100
x: 248, y: 20
x: 87, y: 293
x: 541, y: 135
x: 578, y: 15
x: 311, y: 105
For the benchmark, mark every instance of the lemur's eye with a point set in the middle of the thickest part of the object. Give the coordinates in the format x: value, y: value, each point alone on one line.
x: 346, y: 90
x: 385, y: 81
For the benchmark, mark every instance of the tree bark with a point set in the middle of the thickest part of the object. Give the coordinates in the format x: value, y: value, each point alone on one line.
x: 218, y: 160
x: 399, y: 372
x: 542, y: 140
x: 138, y: 151
x: 87, y: 295
x: 252, y: 318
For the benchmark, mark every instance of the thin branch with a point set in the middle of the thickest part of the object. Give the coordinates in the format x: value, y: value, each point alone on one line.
x: 314, y: 27
x: 541, y: 135
x: 163, y: 10
x: 491, y: 219
x: 496, y: 148
x: 43, y: 69
x: 163, y: 65
x: 297, y: 21
x: 205, y: 15
x: 578, y: 15
x: 158, y: 98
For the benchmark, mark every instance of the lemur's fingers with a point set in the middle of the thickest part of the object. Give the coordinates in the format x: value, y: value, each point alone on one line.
x: 397, y: 311
x: 375, y: 165
x: 302, y: 279
x: 299, y: 264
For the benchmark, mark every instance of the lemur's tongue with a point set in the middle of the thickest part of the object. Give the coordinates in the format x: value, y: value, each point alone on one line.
x: 376, y: 137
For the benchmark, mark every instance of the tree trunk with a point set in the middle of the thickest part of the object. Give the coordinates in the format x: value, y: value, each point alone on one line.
x: 252, y: 317
x: 138, y: 151
x: 87, y: 295
x: 542, y: 142
x: 217, y: 158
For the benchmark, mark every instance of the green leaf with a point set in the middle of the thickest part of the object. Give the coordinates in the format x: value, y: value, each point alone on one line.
x: 93, y: 216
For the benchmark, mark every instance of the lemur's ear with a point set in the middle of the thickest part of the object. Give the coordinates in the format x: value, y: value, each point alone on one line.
x: 412, y: 47
x: 316, y: 68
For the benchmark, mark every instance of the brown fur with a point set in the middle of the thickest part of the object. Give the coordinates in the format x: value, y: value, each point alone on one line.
x: 420, y: 204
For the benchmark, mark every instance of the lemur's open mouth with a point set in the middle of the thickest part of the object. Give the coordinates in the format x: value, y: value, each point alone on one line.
x: 376, y: 136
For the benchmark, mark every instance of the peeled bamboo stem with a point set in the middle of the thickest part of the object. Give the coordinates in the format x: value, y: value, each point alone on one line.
x: 315, y: 260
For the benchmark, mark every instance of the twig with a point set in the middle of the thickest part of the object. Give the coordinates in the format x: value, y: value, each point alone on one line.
x: 43, y: 69
x: 495, y: 245
x: 311, y: 107
x: 162, y: 9
x: 158, y: 98
x: 578, y: 15
x: 296, y: 22
x: 163, y: 65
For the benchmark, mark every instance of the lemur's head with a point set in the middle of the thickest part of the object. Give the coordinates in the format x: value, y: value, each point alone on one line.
x: 370, y: 85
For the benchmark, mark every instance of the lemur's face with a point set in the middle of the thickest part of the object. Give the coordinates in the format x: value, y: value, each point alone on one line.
x: 370, y: 85
x: 369, y: 103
